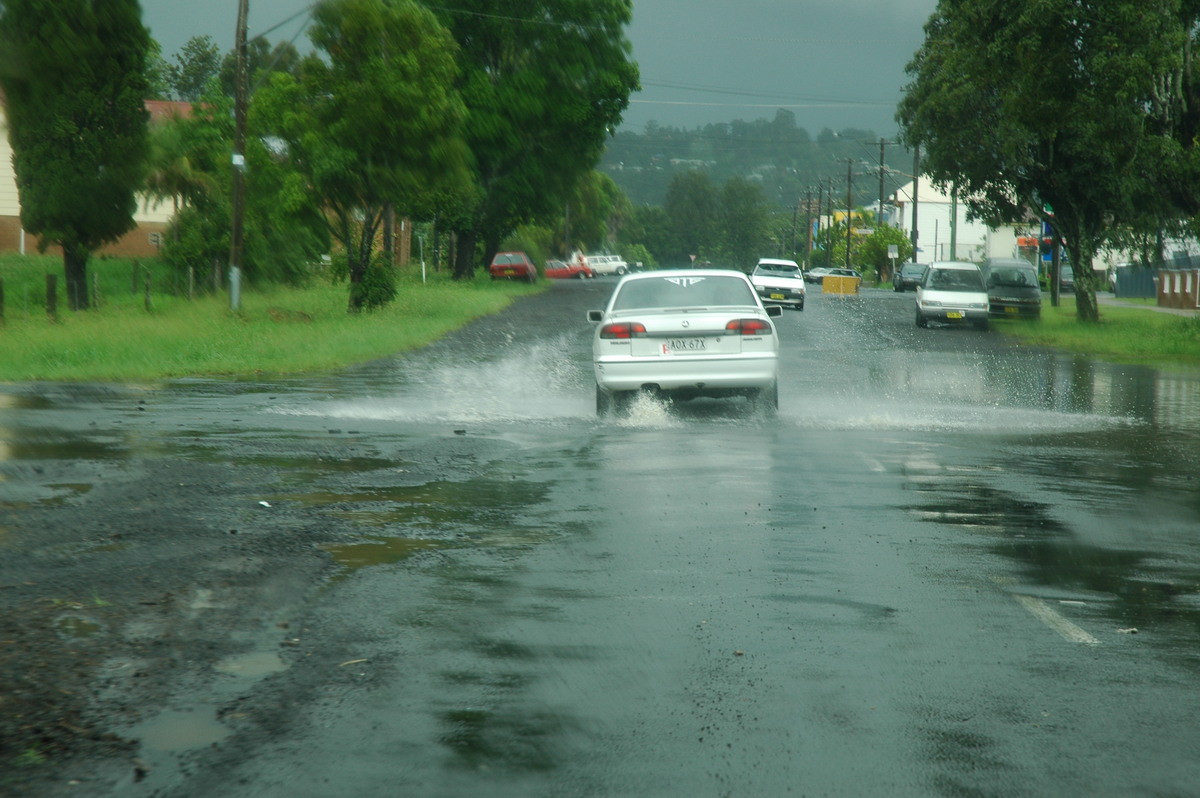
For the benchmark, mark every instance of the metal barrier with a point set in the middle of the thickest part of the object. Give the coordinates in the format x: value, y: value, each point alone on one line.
x: 1179, y: 288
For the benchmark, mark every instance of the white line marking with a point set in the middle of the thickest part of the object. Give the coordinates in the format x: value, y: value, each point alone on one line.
x: 1044, y: 613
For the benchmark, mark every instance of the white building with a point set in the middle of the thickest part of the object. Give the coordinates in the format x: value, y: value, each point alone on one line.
x: 939, y: 239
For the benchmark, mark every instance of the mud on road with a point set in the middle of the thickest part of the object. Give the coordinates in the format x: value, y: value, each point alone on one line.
x: 153, y: 576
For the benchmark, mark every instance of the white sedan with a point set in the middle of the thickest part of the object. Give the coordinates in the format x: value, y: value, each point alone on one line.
x: 685, y: 334
x: 779, y: 282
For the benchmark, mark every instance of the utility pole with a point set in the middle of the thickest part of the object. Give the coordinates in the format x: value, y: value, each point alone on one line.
x: 879, y: 218
x: 238, y: 199
x: 849, y: 205
x: 916, y: 236
x: 829, y: 238
x: 807, y: 226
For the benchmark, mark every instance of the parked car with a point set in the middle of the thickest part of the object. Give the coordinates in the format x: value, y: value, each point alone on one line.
x: 685, y: 333
x: 606, y: 264
x: 779, y: 282
x: 1066, y: 279
x: 909, y: 277
x: 513, y: 266
x: 814, y: 275
x: 562, y: 270
x: 952, y: 292
x: 1012, y: 286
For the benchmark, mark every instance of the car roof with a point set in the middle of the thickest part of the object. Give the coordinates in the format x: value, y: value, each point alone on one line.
x: 778, y: 262
x: 953, y: 264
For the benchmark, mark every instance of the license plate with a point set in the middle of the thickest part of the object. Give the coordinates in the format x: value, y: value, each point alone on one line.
x: 509, y: 272
x: 1012, y: 310
x: 673, y: 345
x: 954, y: 314
x: 777, y: 296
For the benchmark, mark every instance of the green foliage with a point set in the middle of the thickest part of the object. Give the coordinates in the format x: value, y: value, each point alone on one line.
x: 278, y: 329
x: 545, y: 82
x: 744, y: 224
x: 1078, y: 106
x: 872, y: 250
x: 74, y: 76
x: 692, y: 208
x: 637, y: 253
x: 373, y: 123
x: 535, y: 241
x: 377, y: 288
x: 195, y: 65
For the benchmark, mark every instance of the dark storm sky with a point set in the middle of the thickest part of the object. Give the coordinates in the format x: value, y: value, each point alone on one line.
x: 834, y: 63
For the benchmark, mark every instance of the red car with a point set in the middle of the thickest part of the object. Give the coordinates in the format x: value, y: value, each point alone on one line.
x: 561, y: 270
x: 513, y: 266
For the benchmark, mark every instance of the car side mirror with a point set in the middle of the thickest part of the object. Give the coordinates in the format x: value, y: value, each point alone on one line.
x: 595, y: 315
x: 774, y: 310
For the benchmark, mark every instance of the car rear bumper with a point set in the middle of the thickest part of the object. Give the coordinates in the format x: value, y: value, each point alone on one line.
x: 953, y: 315
x: 694, y: 374
x: 1005, y: 310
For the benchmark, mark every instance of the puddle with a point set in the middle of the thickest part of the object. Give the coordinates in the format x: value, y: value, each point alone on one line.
x: 74, y: 626
x: 382, y: 551
x: 179, y: 731
x: 254, y: 664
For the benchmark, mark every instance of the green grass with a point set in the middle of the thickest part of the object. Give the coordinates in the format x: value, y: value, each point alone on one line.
x: 1124, y: 335
x: 277, y: 330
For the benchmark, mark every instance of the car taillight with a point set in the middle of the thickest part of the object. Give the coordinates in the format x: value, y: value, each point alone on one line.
x: 623, y: 329
x: 747, y: 327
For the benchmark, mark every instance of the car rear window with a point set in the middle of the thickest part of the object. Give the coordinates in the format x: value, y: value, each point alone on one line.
x: 1012, y: 278
x: 505, y: 259
x: 683, y: 291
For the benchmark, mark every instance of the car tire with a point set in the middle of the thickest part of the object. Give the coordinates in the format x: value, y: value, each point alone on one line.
x: 982, y: 326
x: 921, y: 322
x: 620, y: 270
x: 800, y: 305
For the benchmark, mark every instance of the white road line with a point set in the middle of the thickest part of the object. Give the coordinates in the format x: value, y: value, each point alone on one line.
x: 1046, y: 614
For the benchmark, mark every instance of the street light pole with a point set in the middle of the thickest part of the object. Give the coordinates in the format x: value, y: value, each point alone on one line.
x: 849, y: 205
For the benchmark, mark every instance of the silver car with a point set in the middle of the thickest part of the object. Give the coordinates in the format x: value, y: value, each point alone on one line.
x: 685, y: 334
x: 952, y: 292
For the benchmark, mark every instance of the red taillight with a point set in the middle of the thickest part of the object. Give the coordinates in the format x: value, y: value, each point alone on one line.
x: 748, y: 327
x: 623, y: 329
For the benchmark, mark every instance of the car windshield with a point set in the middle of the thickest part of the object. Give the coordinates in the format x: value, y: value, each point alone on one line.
x: 912, y: 270
x: 683, y: 291
x: 780, y: 269
x: 1014, y: 277
x: 956, y: 280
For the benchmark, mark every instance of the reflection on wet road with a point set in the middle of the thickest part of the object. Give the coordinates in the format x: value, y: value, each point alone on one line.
x: 946, y: 567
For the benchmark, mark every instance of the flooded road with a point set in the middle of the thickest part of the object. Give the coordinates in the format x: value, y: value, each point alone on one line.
x: 948, y: 566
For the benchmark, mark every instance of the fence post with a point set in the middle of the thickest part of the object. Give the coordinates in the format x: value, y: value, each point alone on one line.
x: 95, y: 290
x: 146, y: 276
x: 52, y: 296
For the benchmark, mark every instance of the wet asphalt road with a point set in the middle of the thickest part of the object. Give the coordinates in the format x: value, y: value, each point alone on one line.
x: 947, y: 567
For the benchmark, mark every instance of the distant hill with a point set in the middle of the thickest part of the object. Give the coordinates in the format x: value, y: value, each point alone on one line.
x: 787, y: 161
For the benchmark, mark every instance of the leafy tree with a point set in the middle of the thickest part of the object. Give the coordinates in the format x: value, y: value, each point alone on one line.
x: 262, y: 58
x: 376, y: 120
x: 195, y: 65
x: 1076, y: 110
x: 873, y: 250
x: 158, y: 74
x: 74, y: 75
x: 692, y: 207
x: 545, y: 82
x: 744, y: 223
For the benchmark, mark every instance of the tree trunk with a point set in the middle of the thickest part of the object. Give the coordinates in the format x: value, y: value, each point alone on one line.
x: 75, y: 260
x: 464, y: 257
x: 1086, y: 307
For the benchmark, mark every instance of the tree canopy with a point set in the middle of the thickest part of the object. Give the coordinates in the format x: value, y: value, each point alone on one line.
x: 545, y: 82
x: 373, y: 124
x: 1076, y: 111
x: 75, y: 79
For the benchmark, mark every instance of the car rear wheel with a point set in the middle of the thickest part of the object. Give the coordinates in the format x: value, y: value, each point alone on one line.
x: 766, y: 399
x: 603, y: 402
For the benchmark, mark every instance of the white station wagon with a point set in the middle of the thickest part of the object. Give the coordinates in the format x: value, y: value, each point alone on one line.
x: 685, y: 334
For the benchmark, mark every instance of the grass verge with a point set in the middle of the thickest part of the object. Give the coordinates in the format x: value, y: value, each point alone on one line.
x: 276, y: 330
x: 1123, y: 335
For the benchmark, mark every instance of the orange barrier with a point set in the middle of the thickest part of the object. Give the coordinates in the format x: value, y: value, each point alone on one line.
x: 836, y: 284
